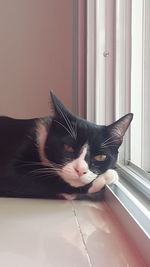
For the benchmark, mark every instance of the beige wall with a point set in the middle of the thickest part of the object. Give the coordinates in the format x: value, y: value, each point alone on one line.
x: 35, y: 55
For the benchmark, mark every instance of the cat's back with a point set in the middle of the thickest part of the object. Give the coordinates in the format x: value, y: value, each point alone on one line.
x: 13, y: 132
x: 14, y: 128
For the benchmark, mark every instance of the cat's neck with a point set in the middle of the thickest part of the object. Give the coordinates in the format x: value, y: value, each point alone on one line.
x: 41, y: 135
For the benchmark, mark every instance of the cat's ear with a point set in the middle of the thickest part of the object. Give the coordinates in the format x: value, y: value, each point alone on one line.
x: 117, y: 129
x: 58, y: 110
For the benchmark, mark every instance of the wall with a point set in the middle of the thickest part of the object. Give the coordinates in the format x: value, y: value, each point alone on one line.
x: 35, y: 55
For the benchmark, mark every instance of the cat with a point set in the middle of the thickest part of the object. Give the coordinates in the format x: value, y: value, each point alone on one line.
x: 60, y: 156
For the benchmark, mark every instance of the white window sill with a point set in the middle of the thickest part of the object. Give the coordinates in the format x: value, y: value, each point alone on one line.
x: 132, y: 210
x: 56, y: 233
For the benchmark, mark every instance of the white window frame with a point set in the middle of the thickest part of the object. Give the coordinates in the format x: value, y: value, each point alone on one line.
x: 146, y: 88
x: 100, y: 59
x: 140, y: 83
x: 100, y: 48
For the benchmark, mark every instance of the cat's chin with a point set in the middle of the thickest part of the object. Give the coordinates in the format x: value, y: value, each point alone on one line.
x: 85, y: 179
x: 75, y: 181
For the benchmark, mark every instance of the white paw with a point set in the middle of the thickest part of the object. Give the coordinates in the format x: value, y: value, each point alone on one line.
x: 97, y: 185
x: 111, y: 177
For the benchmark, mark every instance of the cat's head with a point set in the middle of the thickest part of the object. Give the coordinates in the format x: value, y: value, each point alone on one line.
x: 79, y: 149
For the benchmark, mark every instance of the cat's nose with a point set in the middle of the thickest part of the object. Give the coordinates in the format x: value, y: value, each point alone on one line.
x: 81, y: 171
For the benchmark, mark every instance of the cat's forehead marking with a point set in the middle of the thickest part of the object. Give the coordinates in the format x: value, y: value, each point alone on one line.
x: 84, y: 151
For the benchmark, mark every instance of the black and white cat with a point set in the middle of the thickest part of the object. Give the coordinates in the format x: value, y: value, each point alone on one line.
x: 55, y: 156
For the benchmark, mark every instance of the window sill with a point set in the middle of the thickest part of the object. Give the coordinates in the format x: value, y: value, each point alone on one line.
x: 133, y: 215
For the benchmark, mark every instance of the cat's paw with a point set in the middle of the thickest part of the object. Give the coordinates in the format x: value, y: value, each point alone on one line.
x: 97, y: 185
x: 111, y: 177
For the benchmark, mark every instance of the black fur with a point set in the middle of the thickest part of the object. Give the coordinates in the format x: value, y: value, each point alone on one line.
x: 21, y: 171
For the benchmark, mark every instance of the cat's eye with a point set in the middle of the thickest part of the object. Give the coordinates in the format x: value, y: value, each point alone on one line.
x: 100, y: 157
x: 68, y: 148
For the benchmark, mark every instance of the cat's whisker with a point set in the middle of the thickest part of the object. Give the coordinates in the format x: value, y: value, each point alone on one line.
x: 106, y: 140
x: 40, y: 173
x: 40, y: 176
x: 63, y: 114
x: 33, y: 165
x: 64, y: 128
x: 47, y: 169
x: 75, y: 128
x: 53, y: 164
x: 108, y: 146
x: 67, y: 122
x: 108, y: 143
x: 44, y: 170
x: 38, y: 163
x: 115, y: 140
x: 111, y: 144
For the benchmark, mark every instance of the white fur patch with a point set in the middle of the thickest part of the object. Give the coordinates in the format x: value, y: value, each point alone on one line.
x: 109, y: 177
x: 76, y: 173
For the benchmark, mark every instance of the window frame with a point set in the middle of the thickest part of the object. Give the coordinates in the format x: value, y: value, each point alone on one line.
x: 140, y: 80
x: 99, y: 68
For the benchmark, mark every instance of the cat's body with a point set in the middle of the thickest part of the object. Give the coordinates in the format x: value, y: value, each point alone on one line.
x: 57, y: 156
